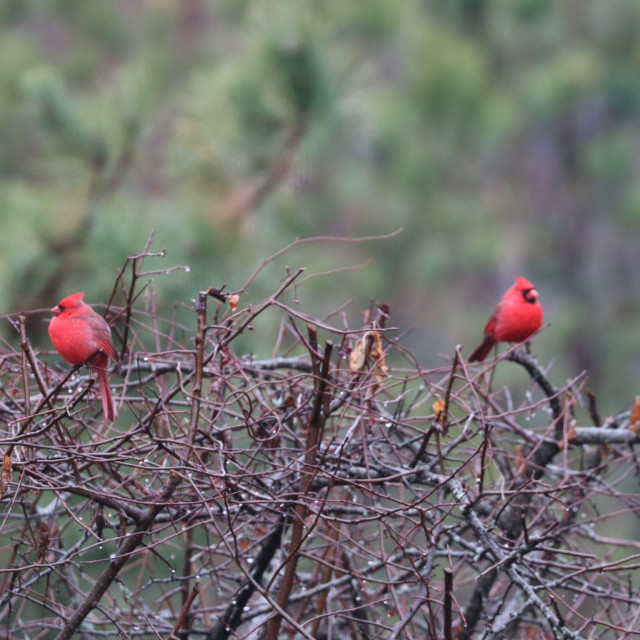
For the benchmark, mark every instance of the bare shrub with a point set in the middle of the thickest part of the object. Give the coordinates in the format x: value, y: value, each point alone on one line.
x: 335, y: 490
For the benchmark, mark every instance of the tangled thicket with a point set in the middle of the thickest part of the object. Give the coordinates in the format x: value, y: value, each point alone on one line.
x: 335, y: 490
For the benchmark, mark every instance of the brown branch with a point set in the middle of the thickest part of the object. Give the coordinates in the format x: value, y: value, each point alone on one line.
x: 116, y: 563
x: 231, y: 618
x: 183, y: 618
x: 314, y: 433
x: 448, y: 604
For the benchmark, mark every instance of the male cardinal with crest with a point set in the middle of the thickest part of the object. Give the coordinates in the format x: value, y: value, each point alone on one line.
x: 517, y: 316
x: 81, y: 336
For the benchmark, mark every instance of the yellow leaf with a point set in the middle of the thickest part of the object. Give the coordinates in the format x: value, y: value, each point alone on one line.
x: 438, y: 409
x: 233, y: 299
x: 356, y: 358
x: 634, y: 423
x: 377, y: 353
x: 370, y: 345
x: 5, y: 477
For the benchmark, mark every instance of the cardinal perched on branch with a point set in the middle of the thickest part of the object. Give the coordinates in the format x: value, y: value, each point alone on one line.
x: 517, y: 316
x: 81, y: 336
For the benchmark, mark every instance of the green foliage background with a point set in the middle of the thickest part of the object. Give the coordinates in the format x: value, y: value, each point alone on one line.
x: 501, y: 136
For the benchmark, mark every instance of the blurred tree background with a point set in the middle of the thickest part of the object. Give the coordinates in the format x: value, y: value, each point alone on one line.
x: 501, y: 136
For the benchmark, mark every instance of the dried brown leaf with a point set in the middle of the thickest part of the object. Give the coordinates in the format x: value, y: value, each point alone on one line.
x: 233, y: 299
x: 357, y: 356
x: 5, y: 477
x: 634, y: 422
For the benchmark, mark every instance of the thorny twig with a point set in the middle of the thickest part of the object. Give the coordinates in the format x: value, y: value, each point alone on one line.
x: 296, y: 497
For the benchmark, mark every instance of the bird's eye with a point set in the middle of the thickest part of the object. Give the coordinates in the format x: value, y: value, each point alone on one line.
x: 61, y: 308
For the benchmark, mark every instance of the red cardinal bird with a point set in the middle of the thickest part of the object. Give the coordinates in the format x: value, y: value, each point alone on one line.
x: 80, y: 335
x: 517, y: 315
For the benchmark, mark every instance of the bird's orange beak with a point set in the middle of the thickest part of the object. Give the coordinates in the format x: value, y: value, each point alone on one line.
x: 56, y: 310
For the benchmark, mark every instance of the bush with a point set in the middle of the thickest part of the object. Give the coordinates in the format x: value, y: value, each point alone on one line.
x: 335, y: 489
